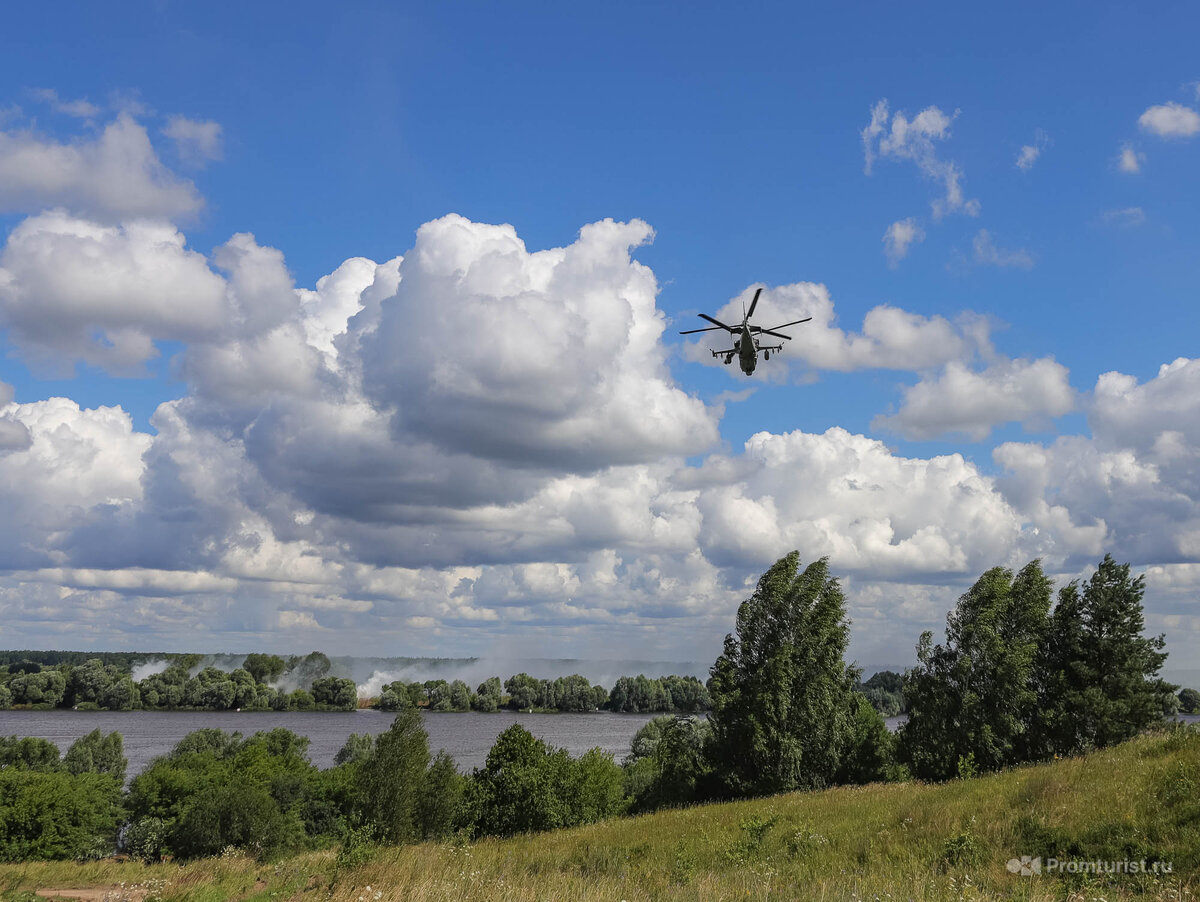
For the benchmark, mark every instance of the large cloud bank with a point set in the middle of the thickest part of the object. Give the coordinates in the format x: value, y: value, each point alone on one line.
x: 474, y: 445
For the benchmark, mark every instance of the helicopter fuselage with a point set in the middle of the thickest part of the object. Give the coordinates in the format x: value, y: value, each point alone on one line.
x: 747, y: 351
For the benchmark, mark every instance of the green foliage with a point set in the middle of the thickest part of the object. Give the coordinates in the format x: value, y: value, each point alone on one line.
x: 1189, y: 701
x: 522, y: 690
x: 885, y: 692
x: 639, y: 695
x: 145, y: 839
x: 668, y: 763
x: 358, y: 848
x: 216, y: 790
x: 963, y: 850
x: 518, y: 790
x: 869, y: 753
x: 5, y: 697
x: 97, y: 753
x: 782, y: 694
x: 28, y: 753
x: 357, y: 747
x: 264, y: 668
x: 526, y: 786
x: 50, y: 814
x: 335, y: 692
x: 440, y: 798
x: 388, y: 783
x: 749, y: 845
x: 976, y: 695
x: 45, y: 689
x: 1098, y: 675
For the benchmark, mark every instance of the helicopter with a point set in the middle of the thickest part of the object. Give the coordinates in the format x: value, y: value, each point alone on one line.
x: 746, y: 346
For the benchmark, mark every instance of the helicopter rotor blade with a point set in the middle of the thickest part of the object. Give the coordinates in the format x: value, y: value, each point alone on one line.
x: 776, y: 334
x: 717, y: 322
x: 709, y: 329
x: 754, y: 303
x: 793, y: 323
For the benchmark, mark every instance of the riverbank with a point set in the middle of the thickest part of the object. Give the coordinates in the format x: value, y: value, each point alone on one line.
x: 1133, y: 803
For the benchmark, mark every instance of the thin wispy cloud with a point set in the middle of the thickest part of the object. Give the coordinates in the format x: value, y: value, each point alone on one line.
x: 895, y: 136
x: 1029, y: 153
x: 988, y: 253
x: 899, y: 237
x: 1127, y: 217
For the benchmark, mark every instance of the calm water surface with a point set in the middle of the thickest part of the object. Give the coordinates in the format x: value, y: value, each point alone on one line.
x: 467, y: 737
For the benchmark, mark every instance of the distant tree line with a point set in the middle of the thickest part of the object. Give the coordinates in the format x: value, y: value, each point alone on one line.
x: 266, y: 682
x: 1018, y: 679
x: 522, y: 692
x: 94, y: 684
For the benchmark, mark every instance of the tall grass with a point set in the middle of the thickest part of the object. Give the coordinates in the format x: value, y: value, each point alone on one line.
x: 1140, y: 800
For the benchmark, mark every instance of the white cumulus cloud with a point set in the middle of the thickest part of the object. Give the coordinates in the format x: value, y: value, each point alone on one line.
x: 891, y: 338
x: 960, y: 400
x: 1170, y: 120
x: 71, y: 289
x: 116, y: 175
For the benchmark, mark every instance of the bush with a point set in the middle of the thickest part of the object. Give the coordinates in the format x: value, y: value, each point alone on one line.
x: 49, y: 814
x: 216, y: 790
x: 526, y: 786
x: 146, y: 839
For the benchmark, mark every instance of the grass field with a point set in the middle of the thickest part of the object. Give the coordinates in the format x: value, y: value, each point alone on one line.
x: 1139, y: 801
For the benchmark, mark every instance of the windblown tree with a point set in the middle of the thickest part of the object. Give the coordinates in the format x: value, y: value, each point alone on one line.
x: 1098, y: 673
x: 971, y: 701
x: 782, y: 695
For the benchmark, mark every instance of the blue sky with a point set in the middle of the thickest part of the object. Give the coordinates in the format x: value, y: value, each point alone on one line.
x: 1034, y: 169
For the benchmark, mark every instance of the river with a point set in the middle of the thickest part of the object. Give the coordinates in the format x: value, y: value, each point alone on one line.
x: 467, y: 737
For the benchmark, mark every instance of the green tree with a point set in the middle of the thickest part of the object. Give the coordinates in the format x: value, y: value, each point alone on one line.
x: 45, y: 689
x: 245, y: 688
x: 5, y: 697
x: 264, y: 668
x: 973, y: 699
x: 440, y: 798
x: 335, y: 692
x: 97, y: 753
x: 782, y: 694
x: 869, y: 756
x: 518, y: 790
x: 88, y: 683
x: 1098, y: 675
x: 522, y: 691
x: 688, y: 695
x: 357, y: 747
x: 668, y: 763
x: 460, y: 696
x: 28, y: 753
x: 1189, y: 701
x: 487, y: 697
x: 388, y: 784
x: 215, y: 789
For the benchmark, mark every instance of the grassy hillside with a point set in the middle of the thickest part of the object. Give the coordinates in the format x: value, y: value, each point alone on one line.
x: 1137, y: 801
